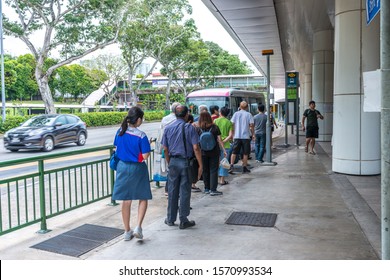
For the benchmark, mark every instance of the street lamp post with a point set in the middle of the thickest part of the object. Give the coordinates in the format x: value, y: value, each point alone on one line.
x: 2, y: 63
x: 268, y: 160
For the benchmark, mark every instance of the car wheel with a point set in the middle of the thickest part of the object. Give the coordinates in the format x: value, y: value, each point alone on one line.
x: 48, y: 144
x: 81, y: 139
x: 14, y: 150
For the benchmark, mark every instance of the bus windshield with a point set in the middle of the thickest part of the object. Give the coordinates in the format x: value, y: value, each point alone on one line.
x: 193, y: 103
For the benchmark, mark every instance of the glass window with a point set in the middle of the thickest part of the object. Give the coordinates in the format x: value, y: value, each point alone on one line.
x: 61, y: 120
x: 72, y: 119
x: 193, y: 103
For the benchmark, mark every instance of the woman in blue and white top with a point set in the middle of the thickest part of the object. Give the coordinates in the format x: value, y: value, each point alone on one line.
x: 132, y: 178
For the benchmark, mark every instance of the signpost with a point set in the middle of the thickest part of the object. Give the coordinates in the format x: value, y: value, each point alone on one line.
x: 372, y: 9
x: 292, y: 103
x: 268, y: 160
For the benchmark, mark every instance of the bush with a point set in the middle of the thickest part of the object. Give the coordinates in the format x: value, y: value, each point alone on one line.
x: 91, y: 119
x: 11, y: 122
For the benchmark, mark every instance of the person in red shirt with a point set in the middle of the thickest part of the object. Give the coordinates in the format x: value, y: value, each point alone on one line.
x: 214, y: 111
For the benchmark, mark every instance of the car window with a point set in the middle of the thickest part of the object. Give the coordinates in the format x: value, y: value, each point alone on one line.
x: 72, y: 120
x: 62, y: 120
x: 39, y: 121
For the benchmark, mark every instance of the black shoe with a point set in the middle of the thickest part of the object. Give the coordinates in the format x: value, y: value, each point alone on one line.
x: 169, y: 223
x: 231, y: 169
x: 245, y: 170
x: 187, y: 224
x: 214, y: 193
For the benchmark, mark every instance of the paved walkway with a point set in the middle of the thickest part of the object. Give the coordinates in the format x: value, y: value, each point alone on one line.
x: 320, y: 216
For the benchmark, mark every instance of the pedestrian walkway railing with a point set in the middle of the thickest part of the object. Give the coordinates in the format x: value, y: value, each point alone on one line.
x: 53, y: 184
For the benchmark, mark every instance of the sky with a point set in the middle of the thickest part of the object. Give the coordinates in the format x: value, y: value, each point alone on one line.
x: 208, y: 26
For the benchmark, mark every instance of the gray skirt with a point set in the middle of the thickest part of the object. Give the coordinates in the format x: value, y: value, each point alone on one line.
x: 132, y: 182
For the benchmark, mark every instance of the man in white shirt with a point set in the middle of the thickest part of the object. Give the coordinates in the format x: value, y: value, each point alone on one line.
x: 243, y: 125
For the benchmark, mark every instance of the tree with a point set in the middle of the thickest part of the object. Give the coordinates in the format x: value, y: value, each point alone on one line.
x: 191, y: 72
x: 75, y: 80
x: 222, y: 63
x: 73, y: 28
x: 148, y: 32
x: 113, y: 66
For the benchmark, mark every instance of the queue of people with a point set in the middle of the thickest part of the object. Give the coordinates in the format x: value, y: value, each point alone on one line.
x: 193, y: 151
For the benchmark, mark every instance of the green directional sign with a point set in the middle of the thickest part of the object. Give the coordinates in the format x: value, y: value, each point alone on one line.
x: 292, y: 93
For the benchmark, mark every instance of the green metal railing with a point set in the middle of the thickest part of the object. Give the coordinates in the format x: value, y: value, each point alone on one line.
x: 54, y: 187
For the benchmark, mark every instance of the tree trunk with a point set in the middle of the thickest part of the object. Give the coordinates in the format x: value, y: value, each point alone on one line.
x: 168, y: 93
x: 44, y: 89
x: 133, y: 93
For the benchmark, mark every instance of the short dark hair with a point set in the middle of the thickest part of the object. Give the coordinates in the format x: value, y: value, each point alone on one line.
x: 225, y: 111
x: 213, y: 108
x: 312, y: 102
x: 261, y: 107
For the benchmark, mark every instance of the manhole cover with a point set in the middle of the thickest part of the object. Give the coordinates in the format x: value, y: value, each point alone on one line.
x: 252, y: 219
x: 79, y: 241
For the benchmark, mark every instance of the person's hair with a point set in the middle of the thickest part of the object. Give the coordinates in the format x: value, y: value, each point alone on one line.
x: 261, y: 107
x: 181, y: 111
x: 312, y: 102
x: 213, y: 108
x: 205, y: 120
x: 174, y: 105
x: 132, y: 117
x: 225, y: 111
x: 243, y: 105
x: 190, y: 118
x: 202, y: 108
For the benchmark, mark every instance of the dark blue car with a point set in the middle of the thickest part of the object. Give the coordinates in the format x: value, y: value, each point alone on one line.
x: 45, y: 132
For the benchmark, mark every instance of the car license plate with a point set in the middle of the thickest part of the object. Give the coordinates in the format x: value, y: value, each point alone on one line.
x: 15, y: 140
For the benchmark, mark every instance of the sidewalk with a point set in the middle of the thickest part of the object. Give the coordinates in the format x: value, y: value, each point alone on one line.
x: 320, y: 216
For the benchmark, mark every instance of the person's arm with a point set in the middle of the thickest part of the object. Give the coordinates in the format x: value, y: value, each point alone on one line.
x: 230, y: 136
x: 221, y: 145
x: 198, y: 156
x: 303, y: 122
x: 166, y: 154
x: 146, y: 156
x: 319, y: 116
x: 252, y: 128
x: 273, y: 118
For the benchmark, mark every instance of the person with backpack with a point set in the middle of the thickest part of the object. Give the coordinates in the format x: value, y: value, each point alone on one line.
x: 312, y: 115
x: 210, y: 144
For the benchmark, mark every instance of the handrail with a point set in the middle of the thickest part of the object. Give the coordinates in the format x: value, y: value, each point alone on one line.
x: 54, y: 155
x: 45, y: 192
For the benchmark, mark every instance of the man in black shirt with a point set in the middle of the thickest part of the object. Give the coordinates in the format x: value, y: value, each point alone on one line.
x: 312, y: 115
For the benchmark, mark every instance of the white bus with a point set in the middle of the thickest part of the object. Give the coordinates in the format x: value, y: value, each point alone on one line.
x: 224, y: 97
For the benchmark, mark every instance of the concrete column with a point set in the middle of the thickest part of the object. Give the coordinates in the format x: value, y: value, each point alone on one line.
x: 356, y: 134
x: 323, y: 65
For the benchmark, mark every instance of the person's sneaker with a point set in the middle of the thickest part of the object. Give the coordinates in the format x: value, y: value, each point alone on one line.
x: 245, y: 170
x: 187, y: 224
x: 206, y: 191
x: 169, y: 223
x: 128, y: 235
x: 213, y: 193
x: 138, y: 233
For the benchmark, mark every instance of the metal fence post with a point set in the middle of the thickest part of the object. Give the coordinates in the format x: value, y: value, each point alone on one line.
x: 42, y: 199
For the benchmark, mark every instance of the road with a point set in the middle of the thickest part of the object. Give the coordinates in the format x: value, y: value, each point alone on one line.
x: 96, y: 137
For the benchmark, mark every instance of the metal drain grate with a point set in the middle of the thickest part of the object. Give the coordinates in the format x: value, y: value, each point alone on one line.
x: 252, y: 219
x: 79, y: 241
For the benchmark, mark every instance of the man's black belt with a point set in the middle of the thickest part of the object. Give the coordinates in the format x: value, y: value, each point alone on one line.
x: 178, y: 156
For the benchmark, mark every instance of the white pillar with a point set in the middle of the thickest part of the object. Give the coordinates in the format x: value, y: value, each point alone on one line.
x: 356, y: 135
x: 323, y: 65
x: 307, y: 92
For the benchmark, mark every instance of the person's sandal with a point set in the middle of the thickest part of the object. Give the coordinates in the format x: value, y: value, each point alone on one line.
x: 196, y: 189
x: 224, y: 183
